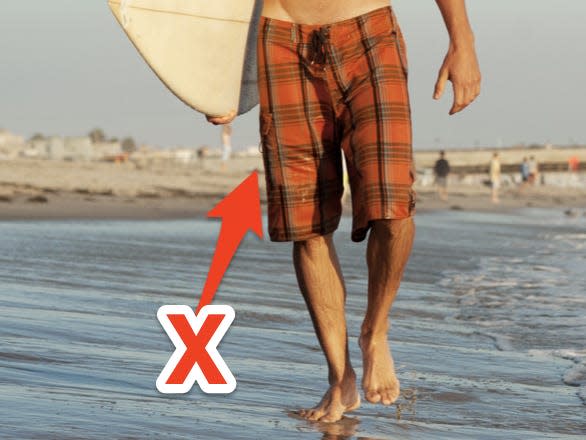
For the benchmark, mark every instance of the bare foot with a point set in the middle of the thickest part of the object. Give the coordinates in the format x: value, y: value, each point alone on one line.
x: 339, y: 399
x: 379, y: 382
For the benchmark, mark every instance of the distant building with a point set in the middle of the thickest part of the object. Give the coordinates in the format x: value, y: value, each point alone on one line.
x: 251, y: 151
x: 183, y: 155
x: 78, y: 148
x: 58, y: 148
x: 55, y: 148
x: 10, y: 140
x: 36, y: 149
x: 107, y: 150
x: 11, y: 145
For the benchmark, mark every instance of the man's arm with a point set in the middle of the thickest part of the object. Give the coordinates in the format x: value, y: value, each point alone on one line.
x: 460, y: 65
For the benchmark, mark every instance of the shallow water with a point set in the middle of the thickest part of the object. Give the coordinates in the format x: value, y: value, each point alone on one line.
x: 487, y: 332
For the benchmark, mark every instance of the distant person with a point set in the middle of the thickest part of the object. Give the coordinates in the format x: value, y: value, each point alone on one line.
x: 525, y: 170
x: 573, y: 164
x: 533, y: 170
x: 226, y: 144
x: 495, y: 177
x: 441, y: 171
x: 202, y: 153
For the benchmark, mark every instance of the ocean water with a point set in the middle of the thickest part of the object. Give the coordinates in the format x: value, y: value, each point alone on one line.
x: 488, y: 332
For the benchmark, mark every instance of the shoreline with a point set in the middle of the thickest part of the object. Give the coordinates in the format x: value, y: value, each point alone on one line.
x: 45, y: 190
x: 74, y: 206
x: 95, y: 207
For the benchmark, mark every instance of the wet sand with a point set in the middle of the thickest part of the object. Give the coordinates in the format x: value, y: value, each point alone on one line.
x: 487, y: 332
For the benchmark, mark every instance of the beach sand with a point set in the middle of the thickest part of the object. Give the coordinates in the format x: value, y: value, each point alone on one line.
x: 40, y: 189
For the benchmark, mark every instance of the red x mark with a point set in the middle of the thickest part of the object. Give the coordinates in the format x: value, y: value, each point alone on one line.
x: 196, y: 357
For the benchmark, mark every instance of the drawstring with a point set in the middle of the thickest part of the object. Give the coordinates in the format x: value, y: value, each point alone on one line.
x: 319, y: 39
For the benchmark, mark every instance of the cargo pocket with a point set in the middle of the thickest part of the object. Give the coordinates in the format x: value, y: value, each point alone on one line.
x: 269, y: 150
x: 274, y: 178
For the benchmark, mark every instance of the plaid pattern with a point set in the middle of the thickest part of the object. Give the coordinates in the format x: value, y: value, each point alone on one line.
x: 354, y: 100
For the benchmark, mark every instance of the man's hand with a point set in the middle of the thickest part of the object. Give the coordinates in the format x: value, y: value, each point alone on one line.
x: 461, y: 68
x: 220, y: 120
x: 460, y: 64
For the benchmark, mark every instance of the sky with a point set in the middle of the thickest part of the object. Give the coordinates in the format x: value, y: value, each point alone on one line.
x: 66, y: 67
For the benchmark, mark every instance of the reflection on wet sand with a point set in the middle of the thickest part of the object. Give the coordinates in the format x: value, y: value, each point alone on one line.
x: 343, y: 429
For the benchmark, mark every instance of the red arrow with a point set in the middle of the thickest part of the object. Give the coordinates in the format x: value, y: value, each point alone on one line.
x: 240, y: 212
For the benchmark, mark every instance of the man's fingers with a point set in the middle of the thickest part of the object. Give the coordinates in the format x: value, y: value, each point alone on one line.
x: 464, y: 96
x: 440, y: 84
x: 219, y: 120
x: 459, y: 99
x: 477, y: 89
x: 468, y: 97
x: 474, y: 92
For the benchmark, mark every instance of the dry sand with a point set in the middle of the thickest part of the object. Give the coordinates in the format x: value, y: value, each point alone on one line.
x: 42, y: 189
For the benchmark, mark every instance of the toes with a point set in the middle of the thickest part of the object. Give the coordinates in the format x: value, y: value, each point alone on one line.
x: 386, y: 398
x: 331, y: 417
x: 373, y: 396
x: 320, y: 415
x: 308, y: 414
x: 389, y: 396
x: 315, y: 415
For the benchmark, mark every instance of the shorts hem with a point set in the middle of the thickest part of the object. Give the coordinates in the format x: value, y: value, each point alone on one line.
x: 281, y: 237
x: 359, y: 233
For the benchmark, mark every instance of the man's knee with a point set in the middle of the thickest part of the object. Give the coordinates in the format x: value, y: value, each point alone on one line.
x: 389, y: 228
x: 313, y: 245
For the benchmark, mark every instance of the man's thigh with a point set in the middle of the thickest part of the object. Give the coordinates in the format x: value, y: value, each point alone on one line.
x: 378, y: 146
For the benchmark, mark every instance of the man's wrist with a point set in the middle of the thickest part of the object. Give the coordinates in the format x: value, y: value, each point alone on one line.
x: 462, y: 39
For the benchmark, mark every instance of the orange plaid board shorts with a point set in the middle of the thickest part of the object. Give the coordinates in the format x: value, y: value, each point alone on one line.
x: 326, y: 90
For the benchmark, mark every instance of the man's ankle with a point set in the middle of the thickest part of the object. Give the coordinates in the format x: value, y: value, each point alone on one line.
x: 373, y: 334
x: 339, y: 379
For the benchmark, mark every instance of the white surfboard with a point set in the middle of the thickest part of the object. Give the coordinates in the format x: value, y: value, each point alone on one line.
x: 204, y: 51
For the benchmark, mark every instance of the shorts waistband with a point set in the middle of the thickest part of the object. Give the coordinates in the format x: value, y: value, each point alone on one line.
x: 372, y: 22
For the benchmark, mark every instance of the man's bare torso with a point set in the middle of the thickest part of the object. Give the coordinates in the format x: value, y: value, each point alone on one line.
x: 319, y: 11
